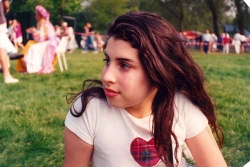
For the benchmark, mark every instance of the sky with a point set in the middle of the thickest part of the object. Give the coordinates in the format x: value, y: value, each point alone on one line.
x: 247, y: 2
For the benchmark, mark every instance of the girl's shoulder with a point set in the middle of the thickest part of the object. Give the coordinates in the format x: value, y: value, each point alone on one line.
x: 93, y: 101
x: 94, y: 105
x: 181, y: 100
x: 185, y: 108
x: 88, y: 124
x: 188, y: 117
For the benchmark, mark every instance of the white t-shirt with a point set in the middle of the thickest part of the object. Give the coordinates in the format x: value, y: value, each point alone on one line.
x: 117, y: 135
x: 206, y: 37
x: 237, y: 37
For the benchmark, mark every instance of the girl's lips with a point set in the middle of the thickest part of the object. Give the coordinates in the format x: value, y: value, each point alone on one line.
x: 110, y: 92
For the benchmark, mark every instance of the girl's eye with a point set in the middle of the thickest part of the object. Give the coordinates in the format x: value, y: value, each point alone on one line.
x: 125, y: 66
x: 107, y: 61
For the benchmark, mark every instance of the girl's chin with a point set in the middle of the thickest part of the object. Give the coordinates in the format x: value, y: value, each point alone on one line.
x: 115, y: 104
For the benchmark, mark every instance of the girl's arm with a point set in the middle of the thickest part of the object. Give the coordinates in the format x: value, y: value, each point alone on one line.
x: 205, y: 149
x: 77, y: 152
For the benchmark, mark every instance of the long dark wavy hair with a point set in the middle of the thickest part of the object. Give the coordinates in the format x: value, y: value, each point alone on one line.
x: 168, y: 66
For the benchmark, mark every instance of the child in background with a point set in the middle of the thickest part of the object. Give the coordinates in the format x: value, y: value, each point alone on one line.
x: 150, y: 102
x: 19, y: 35
x: 99, y: 41
x: 58, y: 31
x: 69, y: 32
x: 12, y: 34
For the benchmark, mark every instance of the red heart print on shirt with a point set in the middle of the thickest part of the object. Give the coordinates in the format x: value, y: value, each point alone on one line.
x: 144, y: 152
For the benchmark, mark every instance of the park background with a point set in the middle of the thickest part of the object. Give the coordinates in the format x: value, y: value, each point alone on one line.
x: 32, y: 112
x: 185, y: 15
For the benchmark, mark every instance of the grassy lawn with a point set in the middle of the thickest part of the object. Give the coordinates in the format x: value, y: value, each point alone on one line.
x: 32, y: 112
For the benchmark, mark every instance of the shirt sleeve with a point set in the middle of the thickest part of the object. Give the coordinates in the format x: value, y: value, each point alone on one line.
x: 195, y: 120
x: 85, y: 125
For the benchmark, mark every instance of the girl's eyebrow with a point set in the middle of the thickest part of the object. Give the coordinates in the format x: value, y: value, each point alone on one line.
x: 124, y: 59
x: 120, y: 59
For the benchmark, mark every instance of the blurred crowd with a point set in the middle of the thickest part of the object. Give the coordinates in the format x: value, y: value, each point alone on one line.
x: 209, y: 42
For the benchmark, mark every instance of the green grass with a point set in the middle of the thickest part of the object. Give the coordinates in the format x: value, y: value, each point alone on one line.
x: 32, y: 112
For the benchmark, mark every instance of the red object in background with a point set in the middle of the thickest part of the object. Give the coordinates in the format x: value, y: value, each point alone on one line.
x: 191, y: 35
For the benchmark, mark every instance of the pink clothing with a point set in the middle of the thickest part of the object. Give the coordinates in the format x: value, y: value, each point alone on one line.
x: 18, y: 31
x: 43, y: 12
x: 40, y: 56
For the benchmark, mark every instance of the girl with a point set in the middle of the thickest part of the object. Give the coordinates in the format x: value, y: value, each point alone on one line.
x: 151, y: 101
x: 18, y: 33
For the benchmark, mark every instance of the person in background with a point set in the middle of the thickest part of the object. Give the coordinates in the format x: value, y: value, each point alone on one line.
x: 39, y: 54
x: 83, y: 41
x: 243, y: 43
x: 18, y: 34
x: 69, y: 32
x: 200, y: 41
x: 226, y: 43
x: 214, y: 40
x: 150, y: 102
x: 4, y: 40
x: 99, y: 41
x: 12, y: 47
x: 11, y: 32
x: 89, y: 31
x: 206, y: 41
x: 58, y: 31
x: 220, y: 43
x: 237, y: 42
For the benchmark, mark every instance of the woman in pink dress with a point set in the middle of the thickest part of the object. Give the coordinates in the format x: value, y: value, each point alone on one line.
x: 39, y: 53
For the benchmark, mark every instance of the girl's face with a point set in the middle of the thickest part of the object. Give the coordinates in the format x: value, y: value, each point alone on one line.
x: 124, y: 80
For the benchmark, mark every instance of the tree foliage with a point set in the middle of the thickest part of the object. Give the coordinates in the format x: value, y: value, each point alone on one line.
x: 183, y: 14
x: 242, y: 15
x: 57, y: 8
x: 101, y: 13
x: 217, y: 8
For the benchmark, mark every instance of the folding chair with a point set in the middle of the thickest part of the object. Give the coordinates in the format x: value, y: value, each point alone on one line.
x: 60, y: 51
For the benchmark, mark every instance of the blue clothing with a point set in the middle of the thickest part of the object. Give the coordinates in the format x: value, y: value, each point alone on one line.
x: 205, y: 47
x: 90, y: 40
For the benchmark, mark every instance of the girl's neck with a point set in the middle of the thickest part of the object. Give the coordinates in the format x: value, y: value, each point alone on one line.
x: 144, y: 108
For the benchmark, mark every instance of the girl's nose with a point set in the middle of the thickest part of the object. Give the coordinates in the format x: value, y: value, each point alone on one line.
x: 108, y: 74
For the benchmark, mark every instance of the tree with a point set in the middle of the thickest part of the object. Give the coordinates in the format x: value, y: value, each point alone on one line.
x: 217, y: 8
x: 174, y: 9
x: 57, y: 8
x: 101, y: 13
x: 197, y: 16
x: 182, y: 14
x: 242, y: 14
